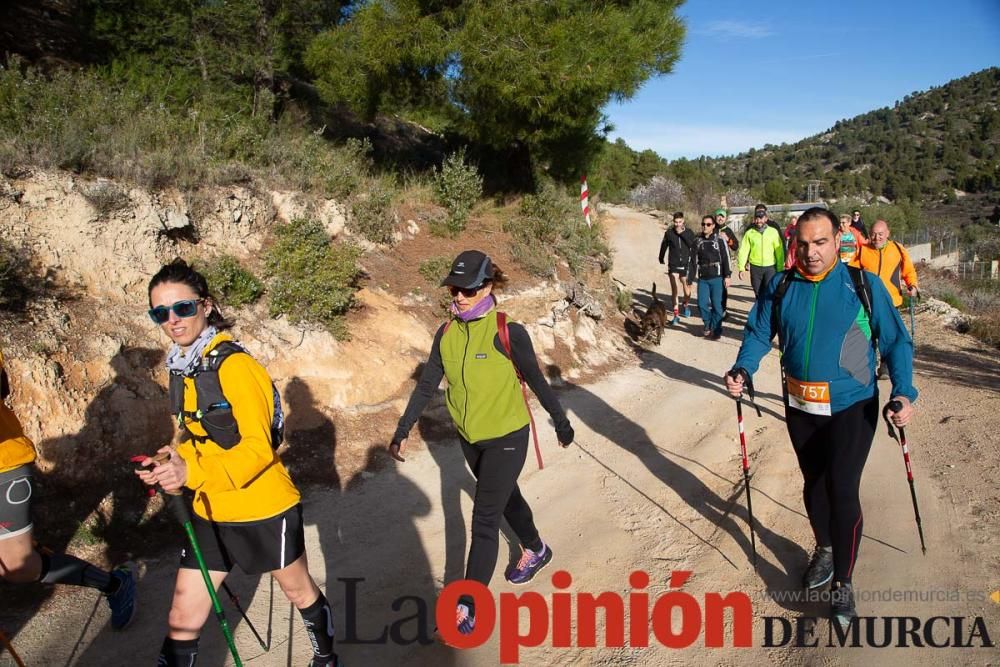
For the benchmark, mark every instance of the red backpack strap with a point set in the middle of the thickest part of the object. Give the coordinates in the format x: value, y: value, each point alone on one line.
x: 504, y: 334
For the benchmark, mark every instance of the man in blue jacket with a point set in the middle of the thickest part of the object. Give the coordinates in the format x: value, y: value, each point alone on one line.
x: 828, y: 319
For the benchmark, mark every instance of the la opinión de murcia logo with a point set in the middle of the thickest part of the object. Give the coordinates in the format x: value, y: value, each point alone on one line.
x: 637, y: 619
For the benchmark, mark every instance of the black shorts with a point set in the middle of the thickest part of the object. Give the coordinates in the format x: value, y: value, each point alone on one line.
x: 15, y: 502
x: 256, y: 546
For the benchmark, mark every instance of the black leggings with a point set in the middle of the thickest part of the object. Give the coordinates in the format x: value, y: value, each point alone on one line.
x: 496, y: 464
x: 832, y: 452
x: 759, y: 277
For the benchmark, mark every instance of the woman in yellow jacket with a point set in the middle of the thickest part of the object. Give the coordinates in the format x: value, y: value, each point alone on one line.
x: 20, y: 561
x: 247, y: 510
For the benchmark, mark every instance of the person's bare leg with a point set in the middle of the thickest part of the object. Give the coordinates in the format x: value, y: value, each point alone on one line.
x: 676, y: 297
x: 189, y: 610
x: 19, y: 562
x: 300, y: 589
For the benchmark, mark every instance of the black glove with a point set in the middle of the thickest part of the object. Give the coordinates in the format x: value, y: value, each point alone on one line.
x: 565, y: 436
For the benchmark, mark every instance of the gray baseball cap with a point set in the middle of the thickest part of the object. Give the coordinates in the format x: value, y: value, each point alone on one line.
x: 470, y: 269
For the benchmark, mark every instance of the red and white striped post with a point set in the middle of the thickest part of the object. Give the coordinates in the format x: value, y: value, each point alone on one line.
x: 585, y: 199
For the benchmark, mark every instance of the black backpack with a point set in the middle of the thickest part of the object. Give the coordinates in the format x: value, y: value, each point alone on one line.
x: 861, y: 287
x: 214, y: 412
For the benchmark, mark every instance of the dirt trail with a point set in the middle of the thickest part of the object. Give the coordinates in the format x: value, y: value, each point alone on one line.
x: 653, y: 483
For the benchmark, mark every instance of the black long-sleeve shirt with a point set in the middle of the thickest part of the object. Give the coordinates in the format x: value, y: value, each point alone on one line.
x: 676, y: 248
x: 709, y: 258
x: 525, y: 361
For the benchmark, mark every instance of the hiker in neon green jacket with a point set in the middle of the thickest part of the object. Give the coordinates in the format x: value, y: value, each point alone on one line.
x: 762, y: 251
x: 475, y: 350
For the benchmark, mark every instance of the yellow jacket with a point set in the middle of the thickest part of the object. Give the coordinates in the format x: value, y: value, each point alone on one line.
x: 246, y: 482
x: 761, y: 248
x: 16, y: 449
x: 892, y: 264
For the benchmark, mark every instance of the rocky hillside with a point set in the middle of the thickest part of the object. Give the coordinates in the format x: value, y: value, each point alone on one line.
x: 86, y: 362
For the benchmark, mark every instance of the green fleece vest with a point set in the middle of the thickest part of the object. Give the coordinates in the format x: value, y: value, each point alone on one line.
x: 483, y: 396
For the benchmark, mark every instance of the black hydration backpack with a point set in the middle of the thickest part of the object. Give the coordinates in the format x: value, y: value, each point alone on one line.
x: 214, y: 412
x: 861, y: 288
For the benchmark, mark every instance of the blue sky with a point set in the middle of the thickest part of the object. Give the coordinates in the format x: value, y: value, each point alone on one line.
x: 755, y: 72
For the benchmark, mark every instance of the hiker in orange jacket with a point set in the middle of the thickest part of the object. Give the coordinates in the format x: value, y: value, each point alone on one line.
x: 889, y: 261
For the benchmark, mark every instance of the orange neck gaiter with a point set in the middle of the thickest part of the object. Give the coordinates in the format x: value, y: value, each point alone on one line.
x: 818, y: 277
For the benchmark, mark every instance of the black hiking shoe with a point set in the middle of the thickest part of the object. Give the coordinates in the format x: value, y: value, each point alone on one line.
x: 327, y: 662
x: 842, y: 610
x: 820, y: 570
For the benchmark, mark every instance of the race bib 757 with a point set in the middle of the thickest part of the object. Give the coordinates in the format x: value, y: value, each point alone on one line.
x: 811, y: 397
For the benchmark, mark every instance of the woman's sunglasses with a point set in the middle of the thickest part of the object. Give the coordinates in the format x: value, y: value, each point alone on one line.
x: 185, y: 308
x: 467, y: 292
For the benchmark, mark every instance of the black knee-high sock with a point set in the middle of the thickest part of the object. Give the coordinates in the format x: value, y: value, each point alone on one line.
x: 178, y: 653
x: 70, y: 570
x: 318, y: 619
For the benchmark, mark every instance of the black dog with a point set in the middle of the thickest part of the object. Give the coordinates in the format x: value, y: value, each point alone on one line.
x: 655, y: 318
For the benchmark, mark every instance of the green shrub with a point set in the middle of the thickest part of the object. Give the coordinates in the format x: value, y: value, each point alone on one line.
x: 435, y: 268
x: 551, y: 219
x: 15, y: 266
x: 623, y: 299
x: 952, y: 300
x: 534, y: 258
x: 310, y: 279
x: 231, y: 283
x: 304, y: 161
x: 109, y: 124
x: 372, y: 214
x: 457, y: 187
x: 445, y: 226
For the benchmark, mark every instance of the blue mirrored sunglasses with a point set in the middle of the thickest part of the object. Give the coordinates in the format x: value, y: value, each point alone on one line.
x: 185, y: 308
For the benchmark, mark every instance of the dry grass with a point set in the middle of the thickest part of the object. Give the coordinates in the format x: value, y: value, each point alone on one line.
x: 980, y: 298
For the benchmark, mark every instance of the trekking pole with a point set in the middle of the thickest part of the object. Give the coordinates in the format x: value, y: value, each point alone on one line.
x: 896, y: 406
x: 736, y: 373
x: 913, y: 323
x: 183, y: 515
x: 10, y: 649
x: 236, y: 603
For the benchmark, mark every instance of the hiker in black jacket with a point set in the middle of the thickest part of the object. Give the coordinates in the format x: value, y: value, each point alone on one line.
x: 710, y: 267
x: 676, y: 246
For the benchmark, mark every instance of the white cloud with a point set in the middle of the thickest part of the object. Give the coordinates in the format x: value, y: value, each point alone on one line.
x: 736, y: 30
x: 673, y: 140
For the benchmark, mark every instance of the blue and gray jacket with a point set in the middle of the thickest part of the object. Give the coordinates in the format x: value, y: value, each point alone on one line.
x: 827, y: 337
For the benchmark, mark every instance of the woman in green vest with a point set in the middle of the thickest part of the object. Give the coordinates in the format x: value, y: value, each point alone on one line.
x: 485, y: 400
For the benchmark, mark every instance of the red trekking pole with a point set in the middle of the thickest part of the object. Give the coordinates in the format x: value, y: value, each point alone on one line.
x: 896, y: 406
x: 736, y: 373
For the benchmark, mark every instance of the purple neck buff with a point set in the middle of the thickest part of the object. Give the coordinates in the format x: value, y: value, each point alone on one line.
x: 484, y: 306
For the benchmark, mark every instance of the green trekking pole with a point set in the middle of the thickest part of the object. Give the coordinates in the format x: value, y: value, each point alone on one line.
x: 183, y: 515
